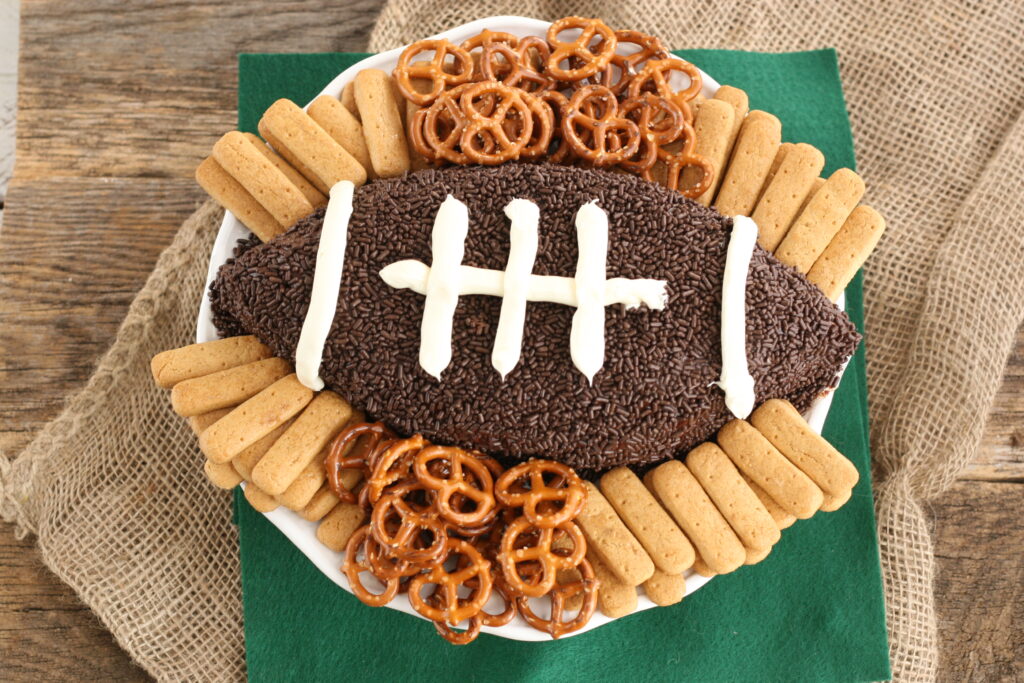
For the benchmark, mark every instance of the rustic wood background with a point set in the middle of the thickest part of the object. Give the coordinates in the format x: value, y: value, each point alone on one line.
x: 118, y: 101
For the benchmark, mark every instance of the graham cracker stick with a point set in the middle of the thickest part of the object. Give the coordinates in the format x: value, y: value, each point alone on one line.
x: 682, y: 495
x: 221, y: 475
x: 237, y: 155
x: 740, y: 104
x: 219, y: 184
x: 650, y: 523
x: 313, y: 195
x: 254, y: 419
x: 308, y: 147
x: 382, y: 122
x: 615, y: 597
x: 761, y: 461
x: 198, y: 423
x: 847, y: 251
x: 196, y: 360
x: 348, y: 99
x: 755, y: 556
x: 611, y: 540
x: 322, y: 502
x: 786, y: 429
x: 751, y: 159
x: 338, y: 526
x: 782, y: 519
x: 260, y: 500
x: 312, y: 430
x: 820, y: 220
x: 785, y: 192
x: 713, y: 127
x: 741, y: 508
x: 226, y: 388
x: 341, y: 125
x: 247, y: 459
x: 665, y: 589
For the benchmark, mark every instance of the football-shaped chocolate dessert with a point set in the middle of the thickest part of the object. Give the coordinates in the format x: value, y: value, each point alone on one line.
x: 652, y: 398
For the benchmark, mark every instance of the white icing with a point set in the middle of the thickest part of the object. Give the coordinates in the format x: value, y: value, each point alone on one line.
x: 586, y: 340
x: 519, y: 286
x: 554, y: 289
x: 508, y: 340
x: 447, y: 245
x: 323, y: 299
x: 736, y: 380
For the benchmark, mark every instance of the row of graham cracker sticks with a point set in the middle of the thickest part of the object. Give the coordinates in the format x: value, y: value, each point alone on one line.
x: 813, y: 224
x: 270, y: 188
x: 722, y: 508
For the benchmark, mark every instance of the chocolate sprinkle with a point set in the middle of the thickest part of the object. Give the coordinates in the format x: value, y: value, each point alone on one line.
x: 652, y: 400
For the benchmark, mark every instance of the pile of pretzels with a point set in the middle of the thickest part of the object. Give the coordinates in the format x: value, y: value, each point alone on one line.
x: 451, y: 527
x: 586, y: 95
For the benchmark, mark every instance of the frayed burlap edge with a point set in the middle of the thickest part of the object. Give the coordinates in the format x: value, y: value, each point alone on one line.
x: 127, y: 518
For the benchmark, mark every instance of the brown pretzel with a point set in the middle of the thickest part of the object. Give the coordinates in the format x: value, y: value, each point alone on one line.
x: 624, y: 67
x: 543, y: 127
x: 488, y: 37
x: 357, y: 552
x: 437, y: 71
x: 391, y: 466
x: 545, y: 503
x: 410, y: 528
x: 416, y: 135
x: 655, y: 75
x: 587, y: 61
x: 487, y: 106
x: 543, y: 563
x: 587, y: 586
x: 342, y: 455
x: 477, y: 488
x: 660, y: 122
x: 517, y: 68
x: 460, y: 637
x: 448, y: 606
x: 594, y: 130
x: 676, y: 161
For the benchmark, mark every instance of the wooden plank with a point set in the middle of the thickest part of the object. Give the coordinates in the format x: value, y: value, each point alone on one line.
x: 134, y: 88
x: 1001, y: 455
x: 74, y: 253
x: 979, y: 585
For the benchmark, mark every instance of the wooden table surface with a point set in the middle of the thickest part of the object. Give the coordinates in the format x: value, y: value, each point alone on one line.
x: 118, y: 100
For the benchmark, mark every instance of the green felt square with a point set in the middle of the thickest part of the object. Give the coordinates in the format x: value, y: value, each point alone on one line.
x: 812, y: 611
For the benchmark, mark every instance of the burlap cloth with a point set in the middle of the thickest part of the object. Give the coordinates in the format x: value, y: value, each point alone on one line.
x: 113, y: 488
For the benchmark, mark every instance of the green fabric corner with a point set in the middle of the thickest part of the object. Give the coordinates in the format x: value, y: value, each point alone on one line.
x: 812, y: 611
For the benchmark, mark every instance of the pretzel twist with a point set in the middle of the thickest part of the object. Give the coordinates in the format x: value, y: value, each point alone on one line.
x: 448, y: 607
x: 434, y: 71
x: 587, y: 585
x: 357, y: 552
x: 594, y: 130
x: 545, y: 503
x: 538, y: 553
x: 590, y: 59
x: 343, y: 455
x: 486, y: 139
x: 466, y: 477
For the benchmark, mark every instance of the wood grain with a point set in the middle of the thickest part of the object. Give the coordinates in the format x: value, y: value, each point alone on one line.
x: 118, y: 100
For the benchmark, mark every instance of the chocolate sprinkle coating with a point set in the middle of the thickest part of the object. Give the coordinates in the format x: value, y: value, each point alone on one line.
x: 652, y: 400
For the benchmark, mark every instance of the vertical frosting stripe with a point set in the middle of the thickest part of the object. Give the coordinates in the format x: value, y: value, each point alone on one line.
x: 447, y: 248
x: 586, y: 340
x: 736, y: 380
x: 508, y: 341
x: 323, y: 300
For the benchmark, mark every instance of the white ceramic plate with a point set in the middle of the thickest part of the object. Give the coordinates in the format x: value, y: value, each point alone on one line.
x: 303, y: 533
